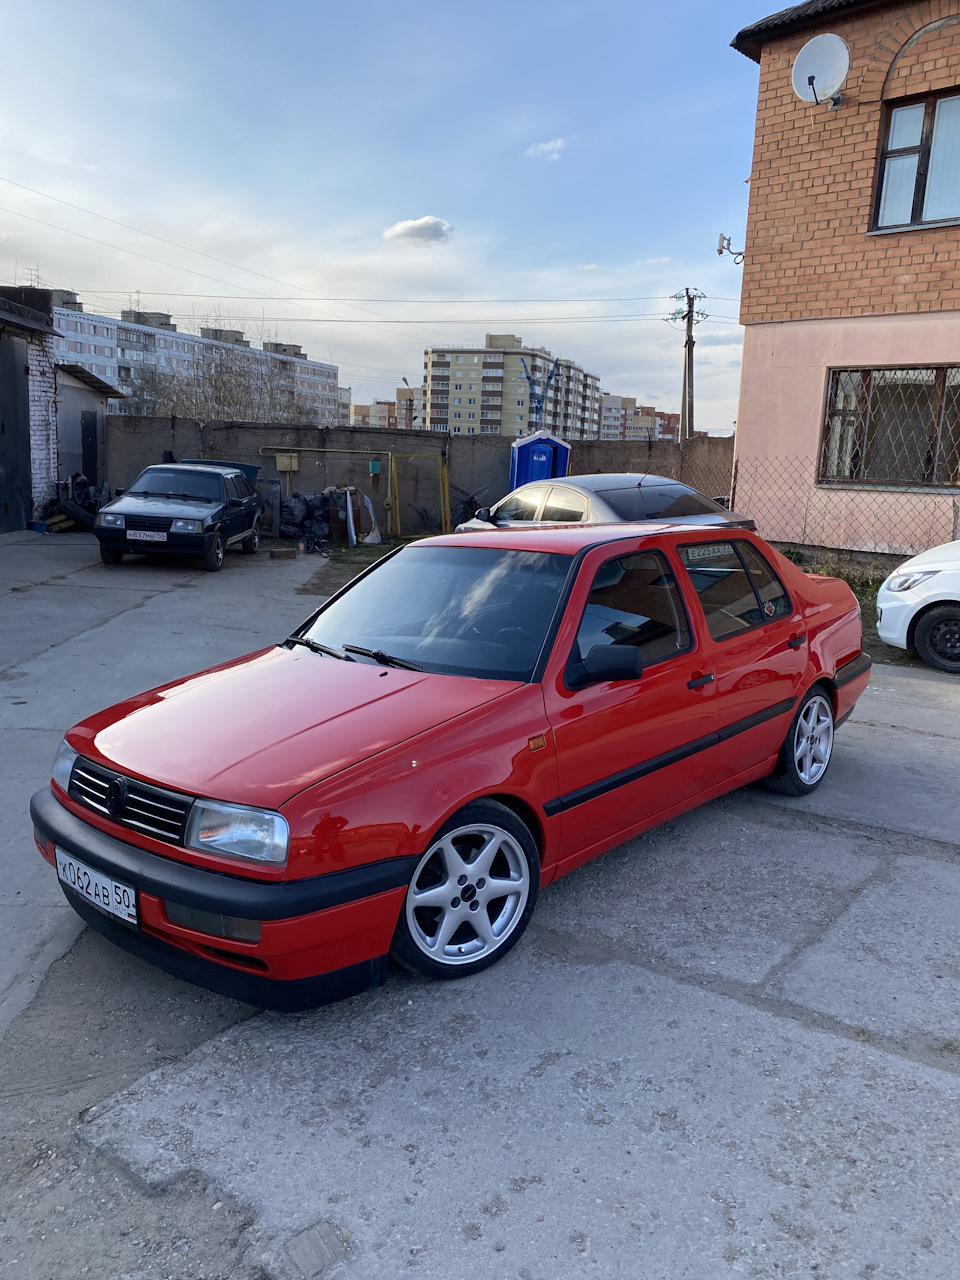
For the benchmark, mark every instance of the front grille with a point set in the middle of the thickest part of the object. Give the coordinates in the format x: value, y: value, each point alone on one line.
x: 155, y: 524
x: 139, y: 805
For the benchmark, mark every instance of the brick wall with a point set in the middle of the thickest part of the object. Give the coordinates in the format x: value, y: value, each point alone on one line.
x: 814, y: 172
x: 42, y: 390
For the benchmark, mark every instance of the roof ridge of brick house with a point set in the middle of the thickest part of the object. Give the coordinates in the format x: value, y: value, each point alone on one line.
x: 750, y: 40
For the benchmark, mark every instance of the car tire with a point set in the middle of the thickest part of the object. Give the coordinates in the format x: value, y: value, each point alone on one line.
x: 937, y: 637
x: 213, y: 555
x: 808, y: 747
x: 437, y: 933
x: 252, y: 541
x: 110, y: 555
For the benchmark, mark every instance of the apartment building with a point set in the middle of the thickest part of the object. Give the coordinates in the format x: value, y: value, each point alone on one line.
x: 621, y: 418
x: 382, y: 414
x: 213, y: 374
x: 484, y: 391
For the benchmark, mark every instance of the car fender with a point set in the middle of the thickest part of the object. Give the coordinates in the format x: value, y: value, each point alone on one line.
x: 391, y: 805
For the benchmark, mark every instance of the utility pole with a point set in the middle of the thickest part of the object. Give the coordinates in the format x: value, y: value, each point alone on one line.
x: 690, y: 316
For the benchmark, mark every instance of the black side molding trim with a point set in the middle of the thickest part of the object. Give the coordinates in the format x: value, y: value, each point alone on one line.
x: 252, y: 988
x: 615, y: 780
x: 211, y: 890
x: 857, y: 666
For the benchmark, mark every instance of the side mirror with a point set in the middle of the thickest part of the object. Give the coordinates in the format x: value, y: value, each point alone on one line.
x: 483, y: 514
x: 234, y: 502
x: 118, y: 493
x: 605, y: 662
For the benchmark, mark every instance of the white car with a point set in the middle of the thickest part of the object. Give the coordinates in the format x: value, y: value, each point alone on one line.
x: 919, y: 607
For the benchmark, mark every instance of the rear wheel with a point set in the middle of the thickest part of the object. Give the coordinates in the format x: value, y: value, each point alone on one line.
x: 252, y: 540
x: 213, y: 555
x: 472, y: 894
x: 938, y: 637
x: 110, y: 555
x: 807, y: 748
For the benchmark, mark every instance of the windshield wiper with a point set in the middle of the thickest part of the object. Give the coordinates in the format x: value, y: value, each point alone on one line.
x: 314, y: 647
x: 192, y: 497
x: 385, y: 659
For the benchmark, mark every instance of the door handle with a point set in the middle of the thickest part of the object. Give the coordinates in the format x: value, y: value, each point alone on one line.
x: 796, y: 642
x: 700, y: 681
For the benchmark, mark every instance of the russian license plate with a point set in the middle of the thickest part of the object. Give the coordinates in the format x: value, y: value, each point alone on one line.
x: 109, y: 895
x: 141, y: 535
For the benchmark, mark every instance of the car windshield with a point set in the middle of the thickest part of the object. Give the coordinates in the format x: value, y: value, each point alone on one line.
x: 659, y: 502
x: 186, y: 484
x: 468, y: 611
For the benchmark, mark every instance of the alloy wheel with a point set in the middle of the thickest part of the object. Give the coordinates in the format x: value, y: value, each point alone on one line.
x: 813, y: 740
x: 468, y: 894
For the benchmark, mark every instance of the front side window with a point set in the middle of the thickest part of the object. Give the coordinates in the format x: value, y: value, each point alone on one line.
x: 736, y: 592
x: 920, y: 164
x: 892, y: 426
x: 634, y: 600
x: 521, y: 505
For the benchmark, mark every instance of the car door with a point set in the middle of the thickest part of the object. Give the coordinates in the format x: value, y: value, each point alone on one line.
x: 757, y: 651
x: 627, y: 749
x: 250, y: 504
x: 520, y: 507
x: 236, y: 517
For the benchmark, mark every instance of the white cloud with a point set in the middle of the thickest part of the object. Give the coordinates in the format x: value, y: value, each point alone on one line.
x: 428, y: 230
x: 546, y: 150
x: 589, y: 266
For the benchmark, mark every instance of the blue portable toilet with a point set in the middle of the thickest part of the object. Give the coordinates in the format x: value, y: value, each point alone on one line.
x: 538, y: 457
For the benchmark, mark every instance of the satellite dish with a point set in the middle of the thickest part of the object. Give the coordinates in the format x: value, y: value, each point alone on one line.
x: 820, y: 68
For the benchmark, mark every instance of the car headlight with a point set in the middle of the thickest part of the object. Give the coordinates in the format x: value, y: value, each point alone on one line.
x: 63, y: 763
x: 907, y: 581
x: 110, y: 520
x: 255, y: 834
x: 187, y: 526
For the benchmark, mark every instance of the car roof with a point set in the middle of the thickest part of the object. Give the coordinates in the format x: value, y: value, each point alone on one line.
x: 217, y: 467
x: 568, y: 539
x: 602, y: 481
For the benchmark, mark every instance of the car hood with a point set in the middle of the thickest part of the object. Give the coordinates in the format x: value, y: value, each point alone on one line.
x: 946, y: 556
x: 262, y: 728
x: 175, y: 508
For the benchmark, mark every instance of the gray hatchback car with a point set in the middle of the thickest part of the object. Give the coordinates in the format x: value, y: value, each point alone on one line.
x: 604, y: 499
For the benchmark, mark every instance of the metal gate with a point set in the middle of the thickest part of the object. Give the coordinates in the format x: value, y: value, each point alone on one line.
x: 15, y: 487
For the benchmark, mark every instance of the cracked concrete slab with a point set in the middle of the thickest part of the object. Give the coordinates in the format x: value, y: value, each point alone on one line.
x: 550, y: 1119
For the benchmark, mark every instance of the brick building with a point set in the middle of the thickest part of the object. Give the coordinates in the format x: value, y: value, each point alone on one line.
x: 850, y: 385
x: 28, y: 406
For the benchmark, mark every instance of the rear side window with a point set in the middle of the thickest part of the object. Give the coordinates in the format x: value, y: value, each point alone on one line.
x: 565, y: 506
x: 658, y: 502
x: 522, y: 505
x: 729, y: 586
x: 634, y: 600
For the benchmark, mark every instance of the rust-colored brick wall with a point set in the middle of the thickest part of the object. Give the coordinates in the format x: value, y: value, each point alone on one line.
x: 813, y: 183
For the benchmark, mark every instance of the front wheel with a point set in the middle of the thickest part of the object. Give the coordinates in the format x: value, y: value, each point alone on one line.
x: 938, y: 637
x: 807, y: 748
x: 472, y: 894
x: 213, y: 555
x: 110, y: 555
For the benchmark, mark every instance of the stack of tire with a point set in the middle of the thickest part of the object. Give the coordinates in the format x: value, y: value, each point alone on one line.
x: 306, y: 519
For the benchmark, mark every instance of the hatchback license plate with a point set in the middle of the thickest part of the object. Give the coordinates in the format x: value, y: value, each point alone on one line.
x: 140, y: 535
x: 109, y: 895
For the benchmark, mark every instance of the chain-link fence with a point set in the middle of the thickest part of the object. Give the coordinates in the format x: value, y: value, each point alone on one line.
x: 792, y: 500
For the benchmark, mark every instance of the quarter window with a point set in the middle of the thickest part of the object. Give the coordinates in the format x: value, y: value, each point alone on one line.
x: 634, y: 601
x: 920, y: 164
x: 736, y: 591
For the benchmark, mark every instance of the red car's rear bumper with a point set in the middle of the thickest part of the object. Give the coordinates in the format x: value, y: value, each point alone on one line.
x: 321, y: 938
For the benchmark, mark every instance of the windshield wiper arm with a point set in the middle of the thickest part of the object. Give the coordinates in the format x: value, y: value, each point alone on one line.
x: 315, y: 647
x: 385, y: 659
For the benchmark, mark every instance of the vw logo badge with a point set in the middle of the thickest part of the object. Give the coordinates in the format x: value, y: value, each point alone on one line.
x: 116, y: 794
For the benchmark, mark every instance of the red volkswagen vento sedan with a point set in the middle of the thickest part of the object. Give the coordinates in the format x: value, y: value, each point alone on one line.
x: 459, y: 726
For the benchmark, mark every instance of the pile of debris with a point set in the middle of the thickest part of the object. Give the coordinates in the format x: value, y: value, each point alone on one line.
x: 335, y: 515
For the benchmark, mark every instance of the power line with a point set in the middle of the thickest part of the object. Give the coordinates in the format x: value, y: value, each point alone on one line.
x: 652, y: 297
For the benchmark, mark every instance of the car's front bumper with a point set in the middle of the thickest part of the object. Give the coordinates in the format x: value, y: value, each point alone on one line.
x: 895, y: 612
x: 177, y: 544
x: 322, y: 938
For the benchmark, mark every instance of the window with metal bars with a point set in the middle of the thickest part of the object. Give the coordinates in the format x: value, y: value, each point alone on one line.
x: 893, y: 427
x: 919, y: 178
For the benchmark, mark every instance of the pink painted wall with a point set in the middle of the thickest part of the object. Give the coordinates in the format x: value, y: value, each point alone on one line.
x: 783, y: 387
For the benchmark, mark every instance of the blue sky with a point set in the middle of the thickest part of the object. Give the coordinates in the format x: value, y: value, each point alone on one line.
x: 568, y: 151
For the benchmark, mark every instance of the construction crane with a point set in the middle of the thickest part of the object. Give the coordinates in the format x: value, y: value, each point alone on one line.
x: 538, y: 398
